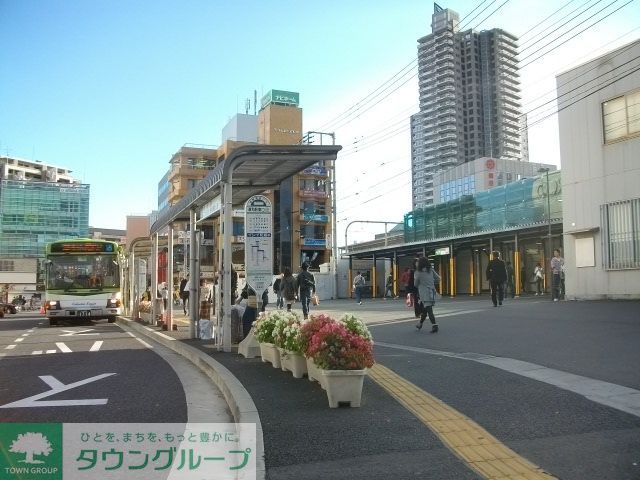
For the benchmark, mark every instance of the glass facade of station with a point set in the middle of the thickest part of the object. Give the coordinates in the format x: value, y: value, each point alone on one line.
x: 33, y: 214
x: 526, y: 202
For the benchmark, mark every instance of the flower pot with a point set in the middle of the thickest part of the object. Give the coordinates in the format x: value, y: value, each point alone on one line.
x: 283, y: 361
x: 294, y: 362
x: 270, y: 353
x: 343, y: 386
x: 314, y: 373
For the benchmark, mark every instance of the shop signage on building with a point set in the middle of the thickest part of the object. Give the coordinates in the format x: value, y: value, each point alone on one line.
x: 210, y: 208
x: 315, y: 170
x: 309, y: 217
x: 314, y: 242
x: 258, y: 246
x: 320, y: 194
x: 281, y: 97
x: 442, y: 251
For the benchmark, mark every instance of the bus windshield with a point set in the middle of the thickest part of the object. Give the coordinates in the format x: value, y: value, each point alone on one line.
x: 82, y: 271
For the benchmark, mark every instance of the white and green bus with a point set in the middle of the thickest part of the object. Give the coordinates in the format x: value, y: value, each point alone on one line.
x: 82, y: 280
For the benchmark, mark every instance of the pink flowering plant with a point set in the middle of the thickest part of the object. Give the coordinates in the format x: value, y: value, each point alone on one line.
x: 310, y: 327
x: 334, y: 347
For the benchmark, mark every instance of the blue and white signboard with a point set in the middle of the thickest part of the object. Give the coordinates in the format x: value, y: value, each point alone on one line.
x: 258, y: 242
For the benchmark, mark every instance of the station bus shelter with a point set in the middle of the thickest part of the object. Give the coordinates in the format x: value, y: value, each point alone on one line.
x: 248, y: 170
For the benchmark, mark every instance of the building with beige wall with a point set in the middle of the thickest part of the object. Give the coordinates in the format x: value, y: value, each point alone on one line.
x: 600, y: 151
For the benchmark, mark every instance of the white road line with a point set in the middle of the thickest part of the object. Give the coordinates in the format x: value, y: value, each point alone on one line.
x: 31, y: 331
x: 616, y: 396
x: 24, y: 335
x: 164, y: 336
x: 143, y: 342
x: 63, y: 348
x: 150, y: 329
x: 36, y: 352
x: 19, y: 339
x: 51, y: 351
x: 96, y: 346
x: 9, y: 347
x: 130, y: 334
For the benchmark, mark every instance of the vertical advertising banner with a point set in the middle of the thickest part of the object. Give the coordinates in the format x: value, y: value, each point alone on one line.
x: 258, y: 242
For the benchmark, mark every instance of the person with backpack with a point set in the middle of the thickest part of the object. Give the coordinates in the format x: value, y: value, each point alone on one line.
x: 306, y: 287
x: 288, y: 288
x: 425, y: 279
x: 358, y: 286
x: 276, y: 290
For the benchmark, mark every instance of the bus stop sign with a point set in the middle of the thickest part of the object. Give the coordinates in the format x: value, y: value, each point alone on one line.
x: 258, y: 243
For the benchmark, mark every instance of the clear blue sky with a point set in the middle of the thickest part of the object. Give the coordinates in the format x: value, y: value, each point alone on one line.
x: 111, y: 89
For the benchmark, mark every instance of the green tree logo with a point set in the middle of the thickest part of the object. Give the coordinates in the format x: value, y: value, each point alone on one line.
x: 31, y: 444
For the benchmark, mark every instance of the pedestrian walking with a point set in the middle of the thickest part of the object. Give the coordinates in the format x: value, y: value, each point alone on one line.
x: 424, y: 280
x: 276, y: 290
x: 557, y: 267
x: 511, y: 286
x: 184, y: 292
x: 523, y: 278
x: 405, y: 278
x: 538, y: 275
x: 306, y: 288
x: 205, y: 300
x: 288, y: 288
x: 497, y: 276
x: 413, y: 291
x: 358, y: 286
x: 388, y: 287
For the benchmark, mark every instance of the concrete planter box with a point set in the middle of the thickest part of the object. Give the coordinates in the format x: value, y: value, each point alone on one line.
x: 293, y: 362
x: 270, y: 353
x: 343, y: 386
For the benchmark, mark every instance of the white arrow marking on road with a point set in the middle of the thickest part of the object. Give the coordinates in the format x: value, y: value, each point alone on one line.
x: 56, y: 387
x: 63, y: 348
x: 96, y: 346
x: 51, y: 351
x: 73, y: 333
x: 36, y: 352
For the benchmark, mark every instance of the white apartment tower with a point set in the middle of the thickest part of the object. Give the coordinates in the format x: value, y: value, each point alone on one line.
x: 469, y: 101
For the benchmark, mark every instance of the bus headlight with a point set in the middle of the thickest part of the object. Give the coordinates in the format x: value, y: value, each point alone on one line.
x: 52, y: 305
x: 113, y: 303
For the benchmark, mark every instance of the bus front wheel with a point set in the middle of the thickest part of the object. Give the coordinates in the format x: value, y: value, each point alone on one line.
x: 111, y: 319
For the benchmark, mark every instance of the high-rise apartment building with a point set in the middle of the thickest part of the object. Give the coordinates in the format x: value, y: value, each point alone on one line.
x: 469, y: 101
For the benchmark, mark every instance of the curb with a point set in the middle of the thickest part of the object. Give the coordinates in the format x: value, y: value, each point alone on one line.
x: 240, y: 402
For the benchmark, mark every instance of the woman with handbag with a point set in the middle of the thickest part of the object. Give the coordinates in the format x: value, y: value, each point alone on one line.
x: 425, y: 279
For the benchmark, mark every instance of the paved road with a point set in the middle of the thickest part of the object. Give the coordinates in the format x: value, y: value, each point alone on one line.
x: 116, y: 376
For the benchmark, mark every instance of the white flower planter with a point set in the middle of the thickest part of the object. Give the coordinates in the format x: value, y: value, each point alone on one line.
x: 343, y: 386
x: 270, y: 353
x: 314, y: 373
x: 293, y: 362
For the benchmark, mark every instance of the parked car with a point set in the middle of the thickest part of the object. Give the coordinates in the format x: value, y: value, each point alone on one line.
x: 8, y: 307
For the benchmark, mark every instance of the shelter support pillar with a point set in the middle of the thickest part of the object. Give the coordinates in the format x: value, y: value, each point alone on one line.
x: 154, y: 281
x: 516, y: 268
x: 452, y: 273
x: 472, y: 274
x: 194, y: 269
x: 169, y: 309
x: 374, y: 278
x: 394, y: 272
x: 227, y: 230
x: 350, y: 278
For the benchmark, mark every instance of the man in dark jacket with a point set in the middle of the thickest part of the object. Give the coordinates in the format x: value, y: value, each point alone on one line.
x: 497, y: 275
x: 307, y: 285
